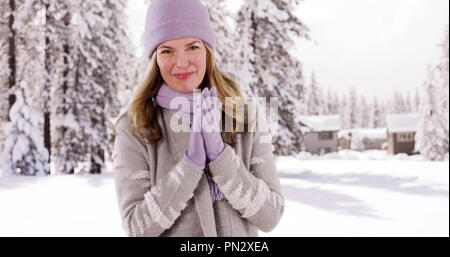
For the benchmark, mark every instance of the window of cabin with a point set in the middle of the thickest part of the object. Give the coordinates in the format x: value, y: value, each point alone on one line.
x: 405, y: 137
x: 326, y: 135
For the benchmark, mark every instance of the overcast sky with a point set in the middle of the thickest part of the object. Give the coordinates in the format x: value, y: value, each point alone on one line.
x: 377, y: 46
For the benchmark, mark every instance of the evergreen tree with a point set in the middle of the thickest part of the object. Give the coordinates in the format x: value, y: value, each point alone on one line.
x: 4, y: 67
x: 92, y: 65
x: 57, y: 69
x: 313, y: 98
x: 399, y: 104
x: 226, y: 57
x: 362, y: 113
x: 351, y: 110
x: 431, y: 137
x: 245, y: 41
x: 376, y: 119
x: 331, y: 106
x: 24, y: 129
x: 416, y: 104
x: 442, y: 70
x: 345, y: 113
x: 24, y: 152
x: 408, y: 106
x: 265, y: 29
x: 121, y: 60
x: 103, y: 64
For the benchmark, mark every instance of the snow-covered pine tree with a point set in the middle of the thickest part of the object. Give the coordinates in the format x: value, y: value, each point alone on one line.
x: 24, y: 152
x: 69, y: 139
x: 363, y: 109
x: 91, y: 80
x: 416, y: 104
x: 431, y: 138
x: 29, y: 66
x: 399, y: 103
x: 443, y: 87
x: 66, y: 140
x: 314, y: 97
x: 103, y: 62
x: 408, y: 106
x: 57, y: 56
x: 345, y: 113
x: 388, y: 106
x: 376, y: 119
x: 5, y: 71
x: 10, y: 11
x: 443, y: 68
x: 266, y: 30
x: 329, y: 103
x: 246, y: 30
x: 120, y: 63
x: 351, y: 110
x: 30, y: 32
x: 337, y: 103
x: 226, y: 54
x: 383, y: 110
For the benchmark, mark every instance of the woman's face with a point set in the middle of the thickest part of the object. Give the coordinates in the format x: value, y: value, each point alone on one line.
x: 182, y: 63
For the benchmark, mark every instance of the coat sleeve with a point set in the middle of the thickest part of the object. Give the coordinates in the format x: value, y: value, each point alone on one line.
x: 148, y: 208
x: 255, y: 193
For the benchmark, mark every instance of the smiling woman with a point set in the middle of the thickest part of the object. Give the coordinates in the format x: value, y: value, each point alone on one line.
x: 202, y: 182
x: 182, y: 63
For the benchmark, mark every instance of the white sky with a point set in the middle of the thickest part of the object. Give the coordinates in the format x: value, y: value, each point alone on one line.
x: 377, y: 46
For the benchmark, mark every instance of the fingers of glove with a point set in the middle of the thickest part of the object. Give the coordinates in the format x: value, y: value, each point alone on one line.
x: 205, y: 95
x: 213, y: 91
x: 207, y: 99
x: 213, y: 97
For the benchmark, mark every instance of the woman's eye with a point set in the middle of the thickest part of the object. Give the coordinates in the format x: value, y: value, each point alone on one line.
x: 193, y: 47
x: 165, y: 52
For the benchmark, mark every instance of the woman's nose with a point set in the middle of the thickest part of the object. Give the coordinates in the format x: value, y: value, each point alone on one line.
x: 182, y: 60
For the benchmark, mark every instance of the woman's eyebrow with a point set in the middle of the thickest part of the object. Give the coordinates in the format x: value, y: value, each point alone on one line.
x: 163, y: 46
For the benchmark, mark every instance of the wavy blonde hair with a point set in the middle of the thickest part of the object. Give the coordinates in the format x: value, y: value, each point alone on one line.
x: 142, y: 112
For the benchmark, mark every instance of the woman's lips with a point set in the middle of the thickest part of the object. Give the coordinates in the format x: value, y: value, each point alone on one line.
x: 184, y: 76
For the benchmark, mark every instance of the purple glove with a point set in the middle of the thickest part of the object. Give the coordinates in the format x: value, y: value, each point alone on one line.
x: 212, y: 114
x: 195, y: 153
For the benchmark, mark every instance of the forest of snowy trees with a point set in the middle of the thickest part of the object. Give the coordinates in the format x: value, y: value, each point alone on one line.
x: 63, y: 65
x: 68, y: 68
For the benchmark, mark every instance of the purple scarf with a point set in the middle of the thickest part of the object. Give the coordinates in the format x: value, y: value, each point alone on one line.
x: 163, y: 98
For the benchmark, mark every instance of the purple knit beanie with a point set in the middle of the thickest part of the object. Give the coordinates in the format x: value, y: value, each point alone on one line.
x: 172, y: 19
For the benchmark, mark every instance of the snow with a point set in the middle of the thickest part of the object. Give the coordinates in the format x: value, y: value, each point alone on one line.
x: 402, y: 122
x: 321, y: 122
x: 373, y: 133
x: 348, y: 193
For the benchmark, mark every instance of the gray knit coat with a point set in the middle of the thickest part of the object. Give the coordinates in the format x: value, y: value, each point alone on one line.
x: 159, y: 193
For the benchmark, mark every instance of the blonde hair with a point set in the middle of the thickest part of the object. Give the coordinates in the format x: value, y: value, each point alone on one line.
x: 142, y: 112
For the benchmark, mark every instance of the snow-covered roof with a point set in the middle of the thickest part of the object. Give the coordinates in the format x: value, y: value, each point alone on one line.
x: 344, y: 133
x: 373, y: 133
x: 321, y: 122
x: 406, y: 122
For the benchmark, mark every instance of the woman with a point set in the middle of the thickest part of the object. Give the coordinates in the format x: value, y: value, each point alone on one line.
x: 200, y: 182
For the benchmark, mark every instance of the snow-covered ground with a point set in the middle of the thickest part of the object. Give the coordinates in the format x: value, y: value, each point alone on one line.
x: 340, y: 194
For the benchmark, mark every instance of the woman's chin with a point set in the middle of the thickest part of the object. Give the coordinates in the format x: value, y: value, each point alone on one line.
x: 187, y: 87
